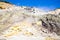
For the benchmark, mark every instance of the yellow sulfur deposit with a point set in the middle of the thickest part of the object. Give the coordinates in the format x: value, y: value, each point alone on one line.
x: 39, y: 23
x: 13, y: 31
x: 49, y: 38
x: 28, y: 33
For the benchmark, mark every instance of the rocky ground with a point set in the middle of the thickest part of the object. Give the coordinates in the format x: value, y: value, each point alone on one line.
x: 28, y: 23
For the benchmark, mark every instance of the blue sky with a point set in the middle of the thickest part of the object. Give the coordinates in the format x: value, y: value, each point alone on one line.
x: 46, y: 4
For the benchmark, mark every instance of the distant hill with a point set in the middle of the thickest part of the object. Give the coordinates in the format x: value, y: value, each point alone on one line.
x: 5, y: 4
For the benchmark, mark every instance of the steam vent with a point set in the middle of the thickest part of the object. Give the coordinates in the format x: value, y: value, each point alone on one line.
x: 28, y: 23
